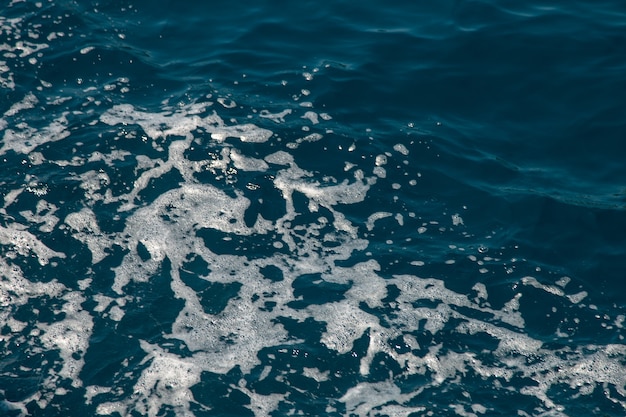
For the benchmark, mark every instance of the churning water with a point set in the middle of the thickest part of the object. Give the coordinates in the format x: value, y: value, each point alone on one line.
x: 332, y: 208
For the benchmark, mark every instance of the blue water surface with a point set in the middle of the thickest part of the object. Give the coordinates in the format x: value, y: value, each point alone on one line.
x: 334, y: 208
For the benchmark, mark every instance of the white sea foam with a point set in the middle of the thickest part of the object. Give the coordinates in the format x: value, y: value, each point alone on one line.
x: 25, y: 139
x: 246, y: 163
x: 70, y: 337
x: 318, y: 238
x: 84, y: 226
x: 24, y: 243
x: 311, y: 239
x: 371, y: 220
x: 28, y: 102
x: 167, y: 229
x: 312, y: 117
x: 276, y: 117
x: 163, y: 124
x: 400, y: 147
x: 166, y: 380
x: 384, y: 397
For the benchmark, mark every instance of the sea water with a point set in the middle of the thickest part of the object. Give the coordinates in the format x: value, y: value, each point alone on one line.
x: 272, y: 208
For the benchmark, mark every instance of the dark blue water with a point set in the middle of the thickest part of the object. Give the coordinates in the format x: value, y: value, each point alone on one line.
x: 301, y: 208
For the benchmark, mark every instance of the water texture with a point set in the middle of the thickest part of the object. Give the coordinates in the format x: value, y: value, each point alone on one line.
x: 332, y: 208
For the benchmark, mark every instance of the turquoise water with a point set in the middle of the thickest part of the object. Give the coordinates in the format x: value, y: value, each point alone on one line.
x: 304, y: 208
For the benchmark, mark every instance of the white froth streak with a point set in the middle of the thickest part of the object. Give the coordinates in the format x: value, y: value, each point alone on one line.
x: 551, y: 289
x: 28, y: 102
x: 69, y: 337
x: 345, y: 320
x: 17, y: 291
x: 166, y: 380
x: 361, y: 399
x: 24, y: 242
x: 189, y: 208
x: 43, y: 215
x: 26, y: 139
x: 182, y: 123
x: 311, y: 116
x: 85, y: 229
x: 373, y: 218
x: 514, y: 349
x: 246, y: 163
x: 275, y: 117
x: 196, y: 206
x: 293, y: 179
x: 399, y: 147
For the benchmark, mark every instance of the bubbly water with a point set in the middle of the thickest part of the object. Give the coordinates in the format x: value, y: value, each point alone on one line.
x: 312, y: 208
